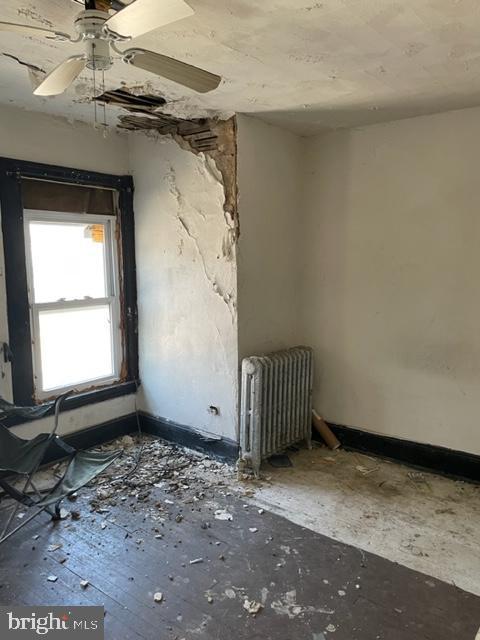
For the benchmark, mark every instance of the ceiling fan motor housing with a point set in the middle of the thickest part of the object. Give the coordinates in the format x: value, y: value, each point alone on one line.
x: 90, y: 26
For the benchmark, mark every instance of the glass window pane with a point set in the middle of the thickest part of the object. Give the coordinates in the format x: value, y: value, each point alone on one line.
x: 68, y: 261
x: 75, y: 346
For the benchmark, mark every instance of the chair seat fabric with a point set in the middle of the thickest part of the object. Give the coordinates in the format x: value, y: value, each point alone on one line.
x: 21, y: 456
x: 7, y: 409
x: 85, y: 466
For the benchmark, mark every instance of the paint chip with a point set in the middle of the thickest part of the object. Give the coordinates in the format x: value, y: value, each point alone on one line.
x: 252, y: 606
x: 221, y: 514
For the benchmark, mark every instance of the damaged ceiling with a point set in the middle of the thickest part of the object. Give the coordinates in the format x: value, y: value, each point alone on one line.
x: 305, y: 65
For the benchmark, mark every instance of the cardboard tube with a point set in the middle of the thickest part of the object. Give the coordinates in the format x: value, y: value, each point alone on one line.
x: 325, y: 432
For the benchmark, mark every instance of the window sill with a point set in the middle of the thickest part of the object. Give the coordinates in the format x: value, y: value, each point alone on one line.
x: 87, y: 398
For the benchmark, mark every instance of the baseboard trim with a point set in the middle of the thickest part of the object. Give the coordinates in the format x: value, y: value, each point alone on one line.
x: 448, y: 462
x: 94, y: 436
x: 220, y: 448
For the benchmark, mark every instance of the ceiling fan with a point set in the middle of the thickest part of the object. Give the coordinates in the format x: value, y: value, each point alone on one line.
x: 101, y: 32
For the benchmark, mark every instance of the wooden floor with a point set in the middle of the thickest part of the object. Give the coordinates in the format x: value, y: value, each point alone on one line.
x: 311, y: 587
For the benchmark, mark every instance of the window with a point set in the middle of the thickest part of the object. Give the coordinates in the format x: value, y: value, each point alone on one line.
x: 69, y: 250
x: 72, y: 268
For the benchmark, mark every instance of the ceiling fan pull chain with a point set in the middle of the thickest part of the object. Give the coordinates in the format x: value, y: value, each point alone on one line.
x: 105, y: 126
x: 94, y: 94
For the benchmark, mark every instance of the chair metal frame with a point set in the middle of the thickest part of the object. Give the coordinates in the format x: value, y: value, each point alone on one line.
x: 21, y: 497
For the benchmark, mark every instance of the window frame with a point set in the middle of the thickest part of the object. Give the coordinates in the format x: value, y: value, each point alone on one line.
x: 112, y: 278
x: 18, y: 351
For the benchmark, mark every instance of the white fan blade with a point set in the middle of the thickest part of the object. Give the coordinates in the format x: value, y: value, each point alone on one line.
x: 180, y: 72
x: 143, y: 16
x: 61, y: 77
x: 27, y: 30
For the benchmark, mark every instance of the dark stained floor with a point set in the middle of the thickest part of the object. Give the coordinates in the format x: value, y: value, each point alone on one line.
x: 311, y: 587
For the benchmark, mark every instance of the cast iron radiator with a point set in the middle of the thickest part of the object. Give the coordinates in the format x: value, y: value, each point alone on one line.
x: 276, y: 403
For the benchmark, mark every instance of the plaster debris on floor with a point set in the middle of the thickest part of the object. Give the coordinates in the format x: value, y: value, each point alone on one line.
x: 402, y: 514
x: 419, y: 519
x: 184, y: 537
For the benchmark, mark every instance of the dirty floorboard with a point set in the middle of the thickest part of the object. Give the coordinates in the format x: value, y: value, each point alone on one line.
x: 309, y: 586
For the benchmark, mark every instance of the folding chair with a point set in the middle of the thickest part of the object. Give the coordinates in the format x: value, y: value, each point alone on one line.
x: 22, y: 458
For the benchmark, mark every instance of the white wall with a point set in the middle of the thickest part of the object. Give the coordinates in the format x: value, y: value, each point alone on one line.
x: 186, y: 288
x: 362, y: 243
x: 27, y: 135
x: 41, y: 138
x: 391, y: 280
x: 270, y: 210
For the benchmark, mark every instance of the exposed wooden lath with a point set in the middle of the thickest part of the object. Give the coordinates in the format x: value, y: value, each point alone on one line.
x: 215, y: 138
x: 198, y: 132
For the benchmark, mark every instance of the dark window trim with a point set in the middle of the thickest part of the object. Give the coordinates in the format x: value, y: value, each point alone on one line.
x: 11, y: 173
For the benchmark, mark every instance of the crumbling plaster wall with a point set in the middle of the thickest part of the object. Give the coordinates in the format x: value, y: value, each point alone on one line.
x: 270, y: 214
x: 187, y: 289
x: 41, y: 138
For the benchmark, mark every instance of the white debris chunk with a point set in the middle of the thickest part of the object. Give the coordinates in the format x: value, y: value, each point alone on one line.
x: 221, y: 514
x: 253, y: 529
x: 52, y: 578
x: 252, y: 606
x: 158, y: 596
x: 84, y: 583
x: 331, y: 628
x: 54, y: 547
x: 288, y: 606
x: 64, y: 513
x: 366, y: 471
x: 196, y: 561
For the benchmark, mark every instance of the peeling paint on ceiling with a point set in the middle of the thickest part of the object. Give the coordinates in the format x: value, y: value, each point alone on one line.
x: 302, y: 64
